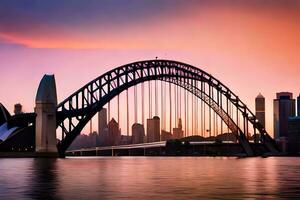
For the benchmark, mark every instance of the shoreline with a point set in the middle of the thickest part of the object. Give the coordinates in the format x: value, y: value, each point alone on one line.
x: 54, y: 155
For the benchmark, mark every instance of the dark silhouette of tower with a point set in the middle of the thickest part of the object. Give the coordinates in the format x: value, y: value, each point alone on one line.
x: 284, y: 107
x: 178, y: 132
x: 260, y: 109
x: 138, y: 133
x: 153, y: 129
x: 298, y: 106
x: 114, y: 134
x: 102, y: 120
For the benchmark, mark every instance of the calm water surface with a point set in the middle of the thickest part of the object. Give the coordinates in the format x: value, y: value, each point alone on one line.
x: 150, y: 178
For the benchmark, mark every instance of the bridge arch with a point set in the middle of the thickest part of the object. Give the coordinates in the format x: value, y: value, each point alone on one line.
x: 83, y: 104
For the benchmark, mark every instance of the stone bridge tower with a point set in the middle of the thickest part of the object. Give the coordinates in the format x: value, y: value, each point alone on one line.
x: 45, y: 109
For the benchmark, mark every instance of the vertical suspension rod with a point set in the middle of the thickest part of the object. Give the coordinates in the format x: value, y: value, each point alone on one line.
x: 118, y: 99
x: 180, y: 102
x: 218, y: 102
x: 108, y: 106
x: 193, y: 109
x: 175, y: 106
x: 91, y: 125
x: 227, y: 111
x: 165, y: 103
x: 221, y: 103
x: 201, y: 111
x: 244, y: 124
x: 162, y: 105
x: 135, y: 104
x: 209, y: 112
x: 203, y: 117
x: 155, y: 98
x: 196, y: 120
x: 213, y: 114
x: 237, y: 115
x: 150, y: 99
x: 185, y: 113
x: 170, y: 98
x: 127, y: 105
x: 143, y: 103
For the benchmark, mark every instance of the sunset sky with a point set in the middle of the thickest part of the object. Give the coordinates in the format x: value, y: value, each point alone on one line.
x: 251, y: 46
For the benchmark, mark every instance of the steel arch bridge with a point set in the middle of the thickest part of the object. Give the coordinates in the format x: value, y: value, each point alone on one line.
x: 76, y: 111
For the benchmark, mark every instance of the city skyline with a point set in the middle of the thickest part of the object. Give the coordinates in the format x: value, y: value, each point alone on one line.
x: 199, y: 29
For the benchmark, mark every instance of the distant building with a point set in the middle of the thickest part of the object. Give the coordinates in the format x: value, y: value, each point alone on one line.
x: 114, y: 134
x: 102, y: 120
x: 93, y: 137
x: 153, y: 129
x: 103, y: 138
x: 18, y: 109
x: 178, y: 132
x: 298, y: 106
x: 125, y: 139
x: 166, y: 135
x: 293, y: 140
x: 260, y: 109
x: 284, y: 107
x: 138, y: 133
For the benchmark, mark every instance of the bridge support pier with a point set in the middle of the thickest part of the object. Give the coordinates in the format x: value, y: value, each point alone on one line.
x: 45, y: 109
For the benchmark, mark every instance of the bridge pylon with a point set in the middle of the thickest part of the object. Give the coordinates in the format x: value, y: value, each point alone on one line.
x: 45, y: 109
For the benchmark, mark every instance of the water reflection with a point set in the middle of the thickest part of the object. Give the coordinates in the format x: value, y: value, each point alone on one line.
x: 150, y: 178
x: 14, y: 176
x: 44, y: 182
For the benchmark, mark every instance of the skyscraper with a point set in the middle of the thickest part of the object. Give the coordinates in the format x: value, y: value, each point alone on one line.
x: 284, y: 107
x: 153, y: 129
x: 138, y: 133
x: 178, y: 132
x: 114, y: 134
x: 260, y: 109
x: 293, y: 139
x: 102, y: 120
x: 298, y: 106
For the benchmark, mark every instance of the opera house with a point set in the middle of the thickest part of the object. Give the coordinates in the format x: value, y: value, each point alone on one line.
x: 17, y: 132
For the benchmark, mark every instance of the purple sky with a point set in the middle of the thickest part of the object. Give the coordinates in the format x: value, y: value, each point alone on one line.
x: 251, y: 46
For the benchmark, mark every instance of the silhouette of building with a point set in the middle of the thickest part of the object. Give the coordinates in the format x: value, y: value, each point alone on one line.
x: 178, y: 132
x: 125, y: 139
x: 153, y: 129
x: 102, y: 120
x: 298, y: 106
x: 293, y: 140
x: 166, y: 135
x: 284, y: 107
x: 260, y: 109
x: 114, y: 133
x: 138, y: 133
x: 18, y: 109
x: 104, y: 138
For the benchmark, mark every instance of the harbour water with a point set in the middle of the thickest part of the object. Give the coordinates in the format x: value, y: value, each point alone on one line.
x: 150, y: 178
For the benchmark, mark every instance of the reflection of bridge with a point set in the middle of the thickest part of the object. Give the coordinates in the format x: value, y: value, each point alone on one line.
x: 218, y: 102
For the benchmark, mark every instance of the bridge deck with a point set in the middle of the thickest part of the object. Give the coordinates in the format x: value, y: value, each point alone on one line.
x: 202, y: 148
